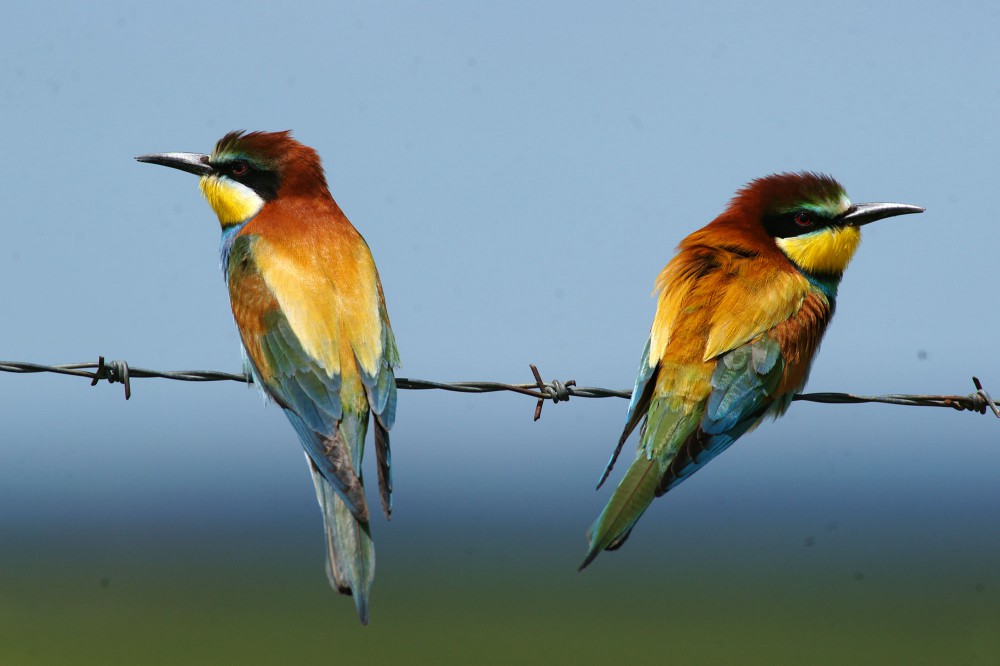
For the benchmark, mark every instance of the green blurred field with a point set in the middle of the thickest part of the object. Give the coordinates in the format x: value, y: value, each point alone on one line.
x: 199, y: 604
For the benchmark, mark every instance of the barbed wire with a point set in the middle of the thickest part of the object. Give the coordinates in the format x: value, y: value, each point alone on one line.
x: 120, y: 372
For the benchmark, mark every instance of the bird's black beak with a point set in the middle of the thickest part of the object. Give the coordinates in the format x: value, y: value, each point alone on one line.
x: 861, y: 214
x: 195, y: 163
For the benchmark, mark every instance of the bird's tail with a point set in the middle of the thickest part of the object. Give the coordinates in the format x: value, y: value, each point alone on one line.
x: 350, y: 555
x: 634, y: 493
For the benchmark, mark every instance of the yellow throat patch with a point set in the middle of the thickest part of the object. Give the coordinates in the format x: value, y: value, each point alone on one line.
x: 828, y: 250
x: 232, y: 202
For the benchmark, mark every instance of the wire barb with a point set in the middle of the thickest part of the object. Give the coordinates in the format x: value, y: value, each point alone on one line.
x: 556, y: 391
x: 116, y: 372
x: 987, y: 400
x: 120, y: 372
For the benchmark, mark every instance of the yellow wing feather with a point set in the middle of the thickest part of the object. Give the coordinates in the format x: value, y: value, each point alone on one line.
x: 329, y: 293
x: 721, y: 300
x: 750, y: 306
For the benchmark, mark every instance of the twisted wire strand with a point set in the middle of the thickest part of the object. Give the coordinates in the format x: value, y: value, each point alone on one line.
x: 120, y: 372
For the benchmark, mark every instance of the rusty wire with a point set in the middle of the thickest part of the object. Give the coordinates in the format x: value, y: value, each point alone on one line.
x: 119, y: 372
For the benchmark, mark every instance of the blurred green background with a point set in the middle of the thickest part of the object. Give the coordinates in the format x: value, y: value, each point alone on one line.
x: 831, y: 593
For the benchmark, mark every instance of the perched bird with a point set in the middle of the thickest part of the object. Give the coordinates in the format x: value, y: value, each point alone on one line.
x: 312, y: 319
x: 741, y: 311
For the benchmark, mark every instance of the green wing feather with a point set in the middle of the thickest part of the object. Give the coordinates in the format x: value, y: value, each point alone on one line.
x: 683, y: 433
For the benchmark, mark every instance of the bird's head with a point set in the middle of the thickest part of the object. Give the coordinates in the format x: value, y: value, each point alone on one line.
x: 810, y: 218
x: 246, y: 171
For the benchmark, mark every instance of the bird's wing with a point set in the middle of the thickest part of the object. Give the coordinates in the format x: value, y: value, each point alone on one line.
x: 380, y: 386
x: 731, y: 297
x: 747, y: 329
x: 710, y: 301
x: 637, y: 406
x: 730, y: 342
x: 752, y: 381
x: 314, y: 327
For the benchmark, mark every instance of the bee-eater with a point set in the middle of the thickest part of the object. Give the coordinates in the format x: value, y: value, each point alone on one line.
x: 741, y: 311
x: 308, y: 303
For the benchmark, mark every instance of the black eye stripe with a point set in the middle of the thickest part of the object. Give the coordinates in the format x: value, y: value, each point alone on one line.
x: 795, y: 223
x: 262, y: 181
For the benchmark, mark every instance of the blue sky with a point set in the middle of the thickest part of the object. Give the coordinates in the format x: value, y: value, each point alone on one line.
x: 521, y: 172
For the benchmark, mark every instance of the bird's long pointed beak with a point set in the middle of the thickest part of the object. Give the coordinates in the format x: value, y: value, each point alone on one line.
x: 195, y: 163
x: 861, y: 214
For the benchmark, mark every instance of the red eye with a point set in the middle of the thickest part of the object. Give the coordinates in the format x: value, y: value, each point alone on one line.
x: 239, y: 168
x: 803, y: 219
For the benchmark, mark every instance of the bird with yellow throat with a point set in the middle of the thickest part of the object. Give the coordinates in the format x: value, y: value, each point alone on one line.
x: 312, y: 319
x: 741, y: 311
